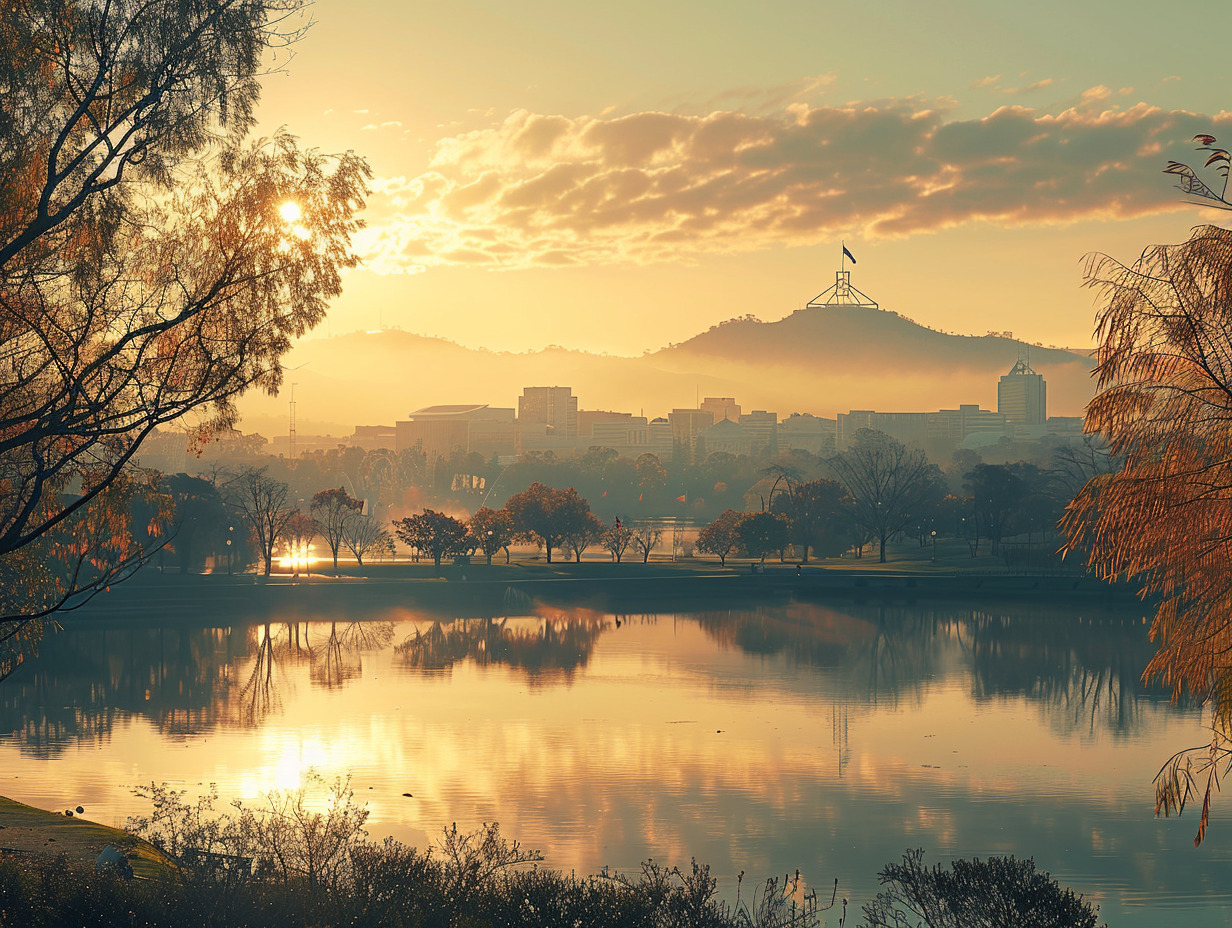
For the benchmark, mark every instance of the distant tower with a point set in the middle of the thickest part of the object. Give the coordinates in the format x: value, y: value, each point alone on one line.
x: 291, y: 427
x: 1022, y: 395
x: 843, y: 293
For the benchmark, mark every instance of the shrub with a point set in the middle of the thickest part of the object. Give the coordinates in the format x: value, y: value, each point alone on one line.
x: 1001, y: 892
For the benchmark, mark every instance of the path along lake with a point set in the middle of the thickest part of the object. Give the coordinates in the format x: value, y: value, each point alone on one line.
x: 825, y: 737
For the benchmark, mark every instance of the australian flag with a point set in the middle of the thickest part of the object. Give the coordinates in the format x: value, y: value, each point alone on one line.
x: 849, y: 254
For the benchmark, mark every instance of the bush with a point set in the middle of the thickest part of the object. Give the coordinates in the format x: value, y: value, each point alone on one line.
x: 1001, y: 892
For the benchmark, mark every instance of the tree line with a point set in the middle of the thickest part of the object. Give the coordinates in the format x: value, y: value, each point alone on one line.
x: 874, y: 492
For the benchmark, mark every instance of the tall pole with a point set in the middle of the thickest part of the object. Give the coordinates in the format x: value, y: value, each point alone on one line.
x: 291, y: 428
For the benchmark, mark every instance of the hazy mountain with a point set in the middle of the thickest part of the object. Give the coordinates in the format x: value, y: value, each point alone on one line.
x: 822, y: 361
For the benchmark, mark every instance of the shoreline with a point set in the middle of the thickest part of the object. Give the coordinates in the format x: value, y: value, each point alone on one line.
x: 476, y: 591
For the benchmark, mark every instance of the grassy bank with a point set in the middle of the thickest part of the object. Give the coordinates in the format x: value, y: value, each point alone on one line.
x: 25, y: 830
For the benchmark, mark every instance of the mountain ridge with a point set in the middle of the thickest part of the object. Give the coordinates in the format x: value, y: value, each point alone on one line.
x: 820, y: 360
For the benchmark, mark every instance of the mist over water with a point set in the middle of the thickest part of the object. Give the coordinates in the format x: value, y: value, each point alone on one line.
x: 762, y: 739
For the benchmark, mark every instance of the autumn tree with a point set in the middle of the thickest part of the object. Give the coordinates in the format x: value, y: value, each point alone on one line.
x: 1164, y: 518
x: 545, y: 514
x: 262, y: 501
x: 761, y: 532
x: 433, y: 533
x: 330, y: 509
x: 721, y: 536
x: 491, y: 530
x: 890, y: 484
x: 154, y: 261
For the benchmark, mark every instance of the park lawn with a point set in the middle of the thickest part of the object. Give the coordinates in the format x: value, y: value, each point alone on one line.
x: 28, y: 830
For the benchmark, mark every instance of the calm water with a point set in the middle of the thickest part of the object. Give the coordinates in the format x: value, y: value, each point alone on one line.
x: 829, y: 739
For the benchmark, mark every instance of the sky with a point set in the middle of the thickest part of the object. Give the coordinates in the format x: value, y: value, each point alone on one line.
x: 617, y: 177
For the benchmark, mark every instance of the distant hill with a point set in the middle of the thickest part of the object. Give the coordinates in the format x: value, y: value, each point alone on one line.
x: 822, y: 361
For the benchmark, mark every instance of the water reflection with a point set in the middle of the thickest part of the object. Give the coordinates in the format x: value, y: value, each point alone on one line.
x: 1085, y: 669
x: 824, y: 737
x: 548, y: 648
x: 1084, y: 672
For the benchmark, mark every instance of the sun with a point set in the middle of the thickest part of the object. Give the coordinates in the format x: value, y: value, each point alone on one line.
x: 290, y: 212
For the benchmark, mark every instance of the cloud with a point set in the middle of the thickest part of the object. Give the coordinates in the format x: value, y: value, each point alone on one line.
x: 985, y: 81
x: 542, y: 189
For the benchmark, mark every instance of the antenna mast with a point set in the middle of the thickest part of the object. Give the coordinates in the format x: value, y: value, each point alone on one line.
x: 291, y: 427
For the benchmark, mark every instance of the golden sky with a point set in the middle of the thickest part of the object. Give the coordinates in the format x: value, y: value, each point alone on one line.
x: 615, y: 177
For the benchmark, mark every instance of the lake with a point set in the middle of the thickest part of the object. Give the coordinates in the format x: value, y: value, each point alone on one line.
x: 828, y: 738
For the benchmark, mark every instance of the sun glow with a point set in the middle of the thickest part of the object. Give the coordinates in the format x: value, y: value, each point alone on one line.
x: 290, y: 212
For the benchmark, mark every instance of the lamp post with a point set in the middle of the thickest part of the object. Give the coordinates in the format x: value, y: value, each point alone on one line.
x: 230, y: 552
x: 934, y: 534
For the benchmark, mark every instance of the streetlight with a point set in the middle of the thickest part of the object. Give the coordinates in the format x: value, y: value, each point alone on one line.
x: 230, y: 553
x: 934, y: 534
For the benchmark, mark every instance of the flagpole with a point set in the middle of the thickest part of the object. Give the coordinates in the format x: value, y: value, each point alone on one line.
x: 842, y: 255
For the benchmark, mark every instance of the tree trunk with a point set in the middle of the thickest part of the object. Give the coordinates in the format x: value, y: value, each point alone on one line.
x: 882, y: 540
x: 335, y: 561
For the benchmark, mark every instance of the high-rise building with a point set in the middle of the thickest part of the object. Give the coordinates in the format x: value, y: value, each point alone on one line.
x: 1022, y: 396
x: 555, y: 407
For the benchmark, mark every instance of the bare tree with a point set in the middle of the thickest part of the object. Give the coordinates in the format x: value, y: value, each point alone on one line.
x: 617, y: 539
x: 645, y: 537
x: 262, y: 501
x: 363, y: 534
x: 889, y: 483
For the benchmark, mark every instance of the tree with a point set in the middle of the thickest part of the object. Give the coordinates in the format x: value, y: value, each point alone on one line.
x: 651, y: 474
x: 997, y: 494
x: 761, y: 532
x: 1164, y: 518
x: 148, y: 270
x: 491, y: 530
x: 721, y: 537
x: 1000, y: 892
x: 617, y: 539
x: 890, y: 484
x: 298, y: 534
x: 815, y: 512
x: 645, y: 537
x: 330, y: 509
x: 545, y: 514
x: 364, y: 533
x: 262, y: 502
x: 433, y: 533
x: 198, y: 510
x: 582, y: 531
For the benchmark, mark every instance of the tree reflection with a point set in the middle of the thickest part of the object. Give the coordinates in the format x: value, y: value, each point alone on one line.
x: 1084, y: 668
x: 553, y: 645
x: 339, y: 658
